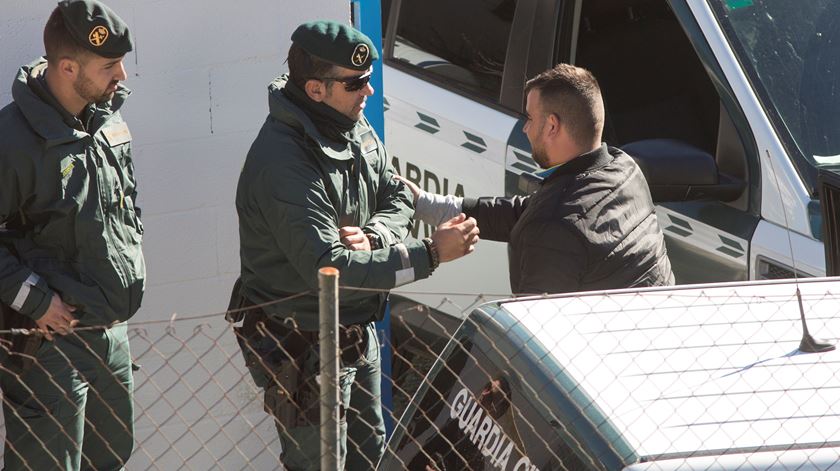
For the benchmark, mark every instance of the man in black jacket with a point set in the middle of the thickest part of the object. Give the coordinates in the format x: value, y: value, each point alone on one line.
x: 591, y: 225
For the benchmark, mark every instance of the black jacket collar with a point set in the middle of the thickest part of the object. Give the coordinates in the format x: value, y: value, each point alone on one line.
x: 584, y: 163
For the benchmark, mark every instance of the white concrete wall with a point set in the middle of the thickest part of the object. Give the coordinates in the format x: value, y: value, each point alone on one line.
x: 199, y: 74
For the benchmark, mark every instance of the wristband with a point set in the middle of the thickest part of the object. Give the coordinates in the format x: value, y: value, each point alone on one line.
x: 375, y: 241
x: 434, y: 258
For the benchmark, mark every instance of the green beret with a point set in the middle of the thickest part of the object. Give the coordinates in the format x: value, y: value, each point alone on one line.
x: 336, y: 43
x: 96, y: 27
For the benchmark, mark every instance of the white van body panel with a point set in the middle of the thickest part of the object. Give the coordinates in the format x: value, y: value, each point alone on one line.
x: 773, y: 242
x: 433, y: 138
x: 727, y: 249
x: 450, y: 105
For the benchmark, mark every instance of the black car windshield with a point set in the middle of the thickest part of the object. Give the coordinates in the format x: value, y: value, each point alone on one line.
x: 791, y: 51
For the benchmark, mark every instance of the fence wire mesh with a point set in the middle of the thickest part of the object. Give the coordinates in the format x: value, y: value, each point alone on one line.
x: 707, y: 378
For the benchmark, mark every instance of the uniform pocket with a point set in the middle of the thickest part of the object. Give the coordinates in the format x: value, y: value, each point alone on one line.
x: 138, y: 223
x: 134, y: 215
x: 73, y: 175
x: 132, y: 222
x: 371, y: 346
x: 33, y: 408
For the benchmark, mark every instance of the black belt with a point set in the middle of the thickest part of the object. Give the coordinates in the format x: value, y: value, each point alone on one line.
x: 352, y: 340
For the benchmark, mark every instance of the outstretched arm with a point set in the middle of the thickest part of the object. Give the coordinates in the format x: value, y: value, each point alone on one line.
x: 432, y: 208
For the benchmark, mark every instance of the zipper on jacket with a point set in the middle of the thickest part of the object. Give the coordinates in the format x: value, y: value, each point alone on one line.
x: 107, y: 213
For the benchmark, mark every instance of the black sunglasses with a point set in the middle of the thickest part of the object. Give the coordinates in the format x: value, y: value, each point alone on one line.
x: 351, y: 84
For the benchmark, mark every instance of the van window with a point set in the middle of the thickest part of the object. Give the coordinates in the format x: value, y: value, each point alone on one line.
x: 791, y: 52
x: 461, y: 43
x: 653, y: 84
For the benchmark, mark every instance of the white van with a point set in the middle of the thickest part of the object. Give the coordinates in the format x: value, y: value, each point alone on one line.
x: 731, y: 106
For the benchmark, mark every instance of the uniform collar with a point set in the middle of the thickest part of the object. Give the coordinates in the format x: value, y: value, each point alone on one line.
x: 37, y: 81
x: 47, y: 117
x: 285, y: 111
x: 332, y: 124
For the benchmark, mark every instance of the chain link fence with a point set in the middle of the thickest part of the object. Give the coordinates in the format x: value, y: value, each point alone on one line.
x: 691, y: 378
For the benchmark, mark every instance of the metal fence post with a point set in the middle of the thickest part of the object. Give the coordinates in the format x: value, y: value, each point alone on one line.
x: 328, y: 340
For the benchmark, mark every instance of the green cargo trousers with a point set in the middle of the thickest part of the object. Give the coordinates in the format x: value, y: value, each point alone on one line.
x: 73, y: 408
x: 361, y: 427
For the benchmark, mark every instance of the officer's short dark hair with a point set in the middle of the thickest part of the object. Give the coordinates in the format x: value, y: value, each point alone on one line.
x: 304, y: 66
x: 59, y: 43
x: 572, y: 93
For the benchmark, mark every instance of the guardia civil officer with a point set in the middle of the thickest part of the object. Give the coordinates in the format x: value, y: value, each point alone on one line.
x: 317, y: 190
x: 70, y: 254
x: 592, y: 224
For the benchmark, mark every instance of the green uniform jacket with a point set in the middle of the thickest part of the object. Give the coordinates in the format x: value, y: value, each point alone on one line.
x: 295, y: 191
x: 67, y: 206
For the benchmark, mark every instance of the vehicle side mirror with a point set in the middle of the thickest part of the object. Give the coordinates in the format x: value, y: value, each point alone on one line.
x: 677, y: 171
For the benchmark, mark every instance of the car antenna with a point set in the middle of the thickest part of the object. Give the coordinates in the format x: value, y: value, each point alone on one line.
x: 808, y: 344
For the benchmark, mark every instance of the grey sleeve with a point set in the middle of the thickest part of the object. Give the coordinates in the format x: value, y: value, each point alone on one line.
x: 435, y: 209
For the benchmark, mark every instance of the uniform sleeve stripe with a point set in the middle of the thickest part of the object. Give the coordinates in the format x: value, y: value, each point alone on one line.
x: 406, y: 260
x: 23, y: 294
x: 406, y: 275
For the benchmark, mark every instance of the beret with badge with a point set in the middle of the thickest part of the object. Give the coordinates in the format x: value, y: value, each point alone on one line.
x: 336, y: 43
x: 96, y: 27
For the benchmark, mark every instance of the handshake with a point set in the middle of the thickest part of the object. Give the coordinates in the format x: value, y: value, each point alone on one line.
x: 453, y: 238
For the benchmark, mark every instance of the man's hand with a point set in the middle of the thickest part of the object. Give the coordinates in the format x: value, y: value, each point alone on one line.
x: 411, y: 186
x: 353, y: 238
x: 58, y: 318
x: 455, y: 238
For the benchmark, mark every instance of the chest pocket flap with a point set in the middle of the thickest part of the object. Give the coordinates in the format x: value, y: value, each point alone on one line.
x: 116, y: 134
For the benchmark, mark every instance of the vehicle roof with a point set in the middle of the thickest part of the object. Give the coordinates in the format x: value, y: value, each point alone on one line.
x: 823, y: 459
x: 698, y: 370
